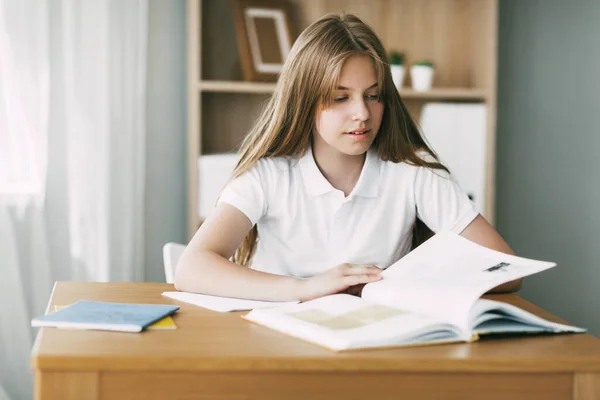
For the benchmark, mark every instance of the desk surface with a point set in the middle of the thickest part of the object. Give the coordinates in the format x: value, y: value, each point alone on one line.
x: 210, y: 341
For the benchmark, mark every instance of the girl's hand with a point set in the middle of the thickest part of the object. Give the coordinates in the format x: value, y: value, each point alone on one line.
x: 338, y: 279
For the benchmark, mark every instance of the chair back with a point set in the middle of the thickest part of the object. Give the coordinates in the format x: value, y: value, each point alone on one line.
x: 171, y: 253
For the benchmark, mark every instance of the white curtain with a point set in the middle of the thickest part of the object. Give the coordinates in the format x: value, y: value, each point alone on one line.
x: 72, y: 145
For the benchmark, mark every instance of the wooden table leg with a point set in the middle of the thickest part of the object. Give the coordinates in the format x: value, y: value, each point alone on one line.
x: 67, y: 385
x: 586, y: 386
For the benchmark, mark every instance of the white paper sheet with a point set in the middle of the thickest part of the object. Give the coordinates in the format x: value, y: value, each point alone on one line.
x: 222, y: 304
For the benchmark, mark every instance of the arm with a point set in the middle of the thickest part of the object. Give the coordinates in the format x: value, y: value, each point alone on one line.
x: 481, y: 232
x: 204, y: 266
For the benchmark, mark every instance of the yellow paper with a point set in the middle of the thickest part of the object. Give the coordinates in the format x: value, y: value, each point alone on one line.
x: 165, y: 323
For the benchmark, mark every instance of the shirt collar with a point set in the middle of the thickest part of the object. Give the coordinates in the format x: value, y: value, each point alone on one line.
x: 316, y: 184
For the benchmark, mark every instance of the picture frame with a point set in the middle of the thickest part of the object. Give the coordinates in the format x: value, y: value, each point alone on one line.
x: 264, y: 35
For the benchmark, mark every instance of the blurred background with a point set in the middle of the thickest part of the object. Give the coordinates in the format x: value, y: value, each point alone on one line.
x: 119, y: 120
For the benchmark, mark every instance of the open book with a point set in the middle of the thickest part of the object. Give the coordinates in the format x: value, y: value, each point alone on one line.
x: 432, y: 295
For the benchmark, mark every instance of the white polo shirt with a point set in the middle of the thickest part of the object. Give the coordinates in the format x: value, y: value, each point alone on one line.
x: 306, y: 226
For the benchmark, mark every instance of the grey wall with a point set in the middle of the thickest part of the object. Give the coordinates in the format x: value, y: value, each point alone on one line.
x: 166, y: 194
x: 548, y: 170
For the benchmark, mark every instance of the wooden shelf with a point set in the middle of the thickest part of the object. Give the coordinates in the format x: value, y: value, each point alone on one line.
x: 255, y: 87
x: 235, y: 87
x: 445, y: 93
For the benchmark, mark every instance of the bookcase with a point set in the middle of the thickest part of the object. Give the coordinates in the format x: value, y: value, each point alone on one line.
x: 459, y: 36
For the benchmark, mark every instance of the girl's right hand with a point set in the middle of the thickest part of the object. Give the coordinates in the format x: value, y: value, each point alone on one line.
x: 338, y: 279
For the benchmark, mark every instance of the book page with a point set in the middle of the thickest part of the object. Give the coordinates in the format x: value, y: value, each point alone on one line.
x: 490, y: 317
x: 343, y: 322
x: 444, y: 277
x: 352, y: 319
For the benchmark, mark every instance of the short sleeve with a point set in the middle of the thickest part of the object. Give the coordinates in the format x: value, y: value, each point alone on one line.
x: 441, y: 203
x: 246, y: 193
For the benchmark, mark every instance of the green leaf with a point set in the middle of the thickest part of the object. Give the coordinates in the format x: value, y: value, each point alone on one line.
x: 424, y: 63
x: 396, y: 58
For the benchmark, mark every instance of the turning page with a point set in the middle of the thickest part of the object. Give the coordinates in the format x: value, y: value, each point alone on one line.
x: 444, y: 277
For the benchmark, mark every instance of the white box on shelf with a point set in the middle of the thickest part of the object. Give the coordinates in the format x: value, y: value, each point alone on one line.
x: 457, y: 133
x: 214, y: 171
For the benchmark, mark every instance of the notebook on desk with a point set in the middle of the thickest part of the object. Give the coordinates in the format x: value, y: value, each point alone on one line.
x: 164, y: 323
x: 98, y: 315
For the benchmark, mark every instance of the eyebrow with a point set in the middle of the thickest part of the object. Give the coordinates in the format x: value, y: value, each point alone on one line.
x: 345, y: 88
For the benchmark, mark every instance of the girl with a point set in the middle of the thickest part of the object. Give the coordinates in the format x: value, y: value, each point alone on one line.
x: 333, y: 182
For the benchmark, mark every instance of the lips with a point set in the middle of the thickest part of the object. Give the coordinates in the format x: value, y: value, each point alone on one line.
x: 360, y: 131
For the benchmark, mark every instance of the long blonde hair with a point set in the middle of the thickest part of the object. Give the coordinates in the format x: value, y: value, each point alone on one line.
x: 306, y: 84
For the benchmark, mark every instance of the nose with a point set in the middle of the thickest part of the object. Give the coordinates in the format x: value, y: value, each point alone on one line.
x: 360, y: 112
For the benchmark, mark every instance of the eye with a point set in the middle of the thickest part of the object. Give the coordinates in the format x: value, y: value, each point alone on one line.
x: 339, y: 99
x: 372, y: 96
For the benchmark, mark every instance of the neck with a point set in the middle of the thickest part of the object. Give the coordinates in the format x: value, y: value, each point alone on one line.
x: 341, y: 170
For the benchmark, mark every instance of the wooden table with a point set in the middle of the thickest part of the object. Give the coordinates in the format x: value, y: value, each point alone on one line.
x: 219, y: 355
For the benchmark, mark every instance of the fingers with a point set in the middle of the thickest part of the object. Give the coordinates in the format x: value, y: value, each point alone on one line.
x: 351, y: 280
x: 356, y: 274
x: 360, y: 269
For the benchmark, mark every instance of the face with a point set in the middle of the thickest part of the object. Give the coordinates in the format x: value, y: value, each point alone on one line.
x: 351, y: 122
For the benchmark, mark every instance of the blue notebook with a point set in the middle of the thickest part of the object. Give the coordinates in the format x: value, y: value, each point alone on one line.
x: 105, y: 316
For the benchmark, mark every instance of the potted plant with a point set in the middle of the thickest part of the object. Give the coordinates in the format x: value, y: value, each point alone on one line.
x: 397, y: 67
x: 421, y: 74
